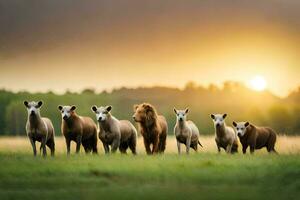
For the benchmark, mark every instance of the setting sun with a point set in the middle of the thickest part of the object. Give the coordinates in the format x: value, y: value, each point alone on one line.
x: 258, y: 83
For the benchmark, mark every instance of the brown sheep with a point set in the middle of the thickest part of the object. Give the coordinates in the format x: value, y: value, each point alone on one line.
x: 255, y: 137
x: 152, y: 127
x: 39, y: 128
x: 81, y: 130
x: 117, y: 133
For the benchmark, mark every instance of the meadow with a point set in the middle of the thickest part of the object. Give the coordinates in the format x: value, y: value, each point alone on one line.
x: 202, y: 175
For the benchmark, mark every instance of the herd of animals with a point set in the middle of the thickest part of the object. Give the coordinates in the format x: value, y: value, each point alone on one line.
x: 121, y: 134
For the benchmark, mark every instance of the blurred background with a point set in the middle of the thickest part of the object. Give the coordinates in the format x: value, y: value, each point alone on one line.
x: 236, y: 57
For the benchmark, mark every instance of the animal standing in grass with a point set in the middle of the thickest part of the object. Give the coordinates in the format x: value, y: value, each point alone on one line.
x: 255, y: 137
x: 152, y: 127
x: 186, y: 132
x: 113, y: 132
x: 81, y: 130
x: 225, y: 136
x: 39, y: 128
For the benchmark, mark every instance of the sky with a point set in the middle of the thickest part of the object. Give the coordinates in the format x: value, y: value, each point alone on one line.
x: 72, y: 44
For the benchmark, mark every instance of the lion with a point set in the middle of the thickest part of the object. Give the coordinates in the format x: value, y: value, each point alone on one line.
x: 153, y: 127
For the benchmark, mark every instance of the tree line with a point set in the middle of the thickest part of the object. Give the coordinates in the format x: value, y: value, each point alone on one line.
x: 239, y: 102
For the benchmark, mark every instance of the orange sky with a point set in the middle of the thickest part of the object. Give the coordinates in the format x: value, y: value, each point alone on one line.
x: 55, y: 45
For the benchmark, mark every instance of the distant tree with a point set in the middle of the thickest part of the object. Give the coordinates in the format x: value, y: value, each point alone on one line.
x: 88, y: 91
x: 294, y: 96
x: 257, y: 117
x: 191, y: 85
x: 280, y: 119
x: 213, y: 88
x: 231, y: 86
x: 255, y: 107
x: 296, y: 120
x: 15, y: 118
x: 5, y: 98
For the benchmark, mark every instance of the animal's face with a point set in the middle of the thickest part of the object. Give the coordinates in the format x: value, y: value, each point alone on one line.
x: 143, y: 112
x: 139, y: 113
x: 181, y: 114
x: 240, y: 128
x: 66, y: 111
x: 33, y: 108
x: 101, y: 112
x: 218, y: 119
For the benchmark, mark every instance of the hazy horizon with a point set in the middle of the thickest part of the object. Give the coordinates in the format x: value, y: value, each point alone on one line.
x: 72, y: 45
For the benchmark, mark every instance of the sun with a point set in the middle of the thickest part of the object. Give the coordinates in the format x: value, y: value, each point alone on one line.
x: 258, y: 83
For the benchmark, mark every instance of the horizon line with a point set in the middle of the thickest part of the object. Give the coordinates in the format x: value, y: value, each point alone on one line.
x: 99, y: 91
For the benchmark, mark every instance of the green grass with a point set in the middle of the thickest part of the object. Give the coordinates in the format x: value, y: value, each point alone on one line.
x: 198, y: 176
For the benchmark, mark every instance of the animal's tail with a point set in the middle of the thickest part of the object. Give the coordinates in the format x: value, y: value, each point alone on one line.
x: 200, y: 143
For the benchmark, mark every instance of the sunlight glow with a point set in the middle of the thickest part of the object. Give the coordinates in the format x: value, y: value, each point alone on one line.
x: 258, y: 83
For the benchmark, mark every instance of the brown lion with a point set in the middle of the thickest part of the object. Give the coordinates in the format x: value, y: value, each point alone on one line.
x: 153, y: 127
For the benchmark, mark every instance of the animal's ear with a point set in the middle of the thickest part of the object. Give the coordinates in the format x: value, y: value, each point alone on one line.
x: 135, y: 106
x: 234, y: 124
x: 212, y: 116
x: 60, y: 107
x: 186, y: 110
x: 224, y: 116
x: 94, y: 108
x: 108, y: 108
x: 149, y: 109
x: 73, y: 108
x: 175, y: 111
x: 40, y: 103
x: 26, y: 103
x: 247, y: 124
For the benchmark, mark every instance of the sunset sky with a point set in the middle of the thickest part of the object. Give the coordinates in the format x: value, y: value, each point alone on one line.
x: 58, y: 45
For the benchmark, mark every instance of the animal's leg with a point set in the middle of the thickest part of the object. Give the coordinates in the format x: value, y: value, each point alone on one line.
x: 178, y: 147
x: 188, y: 144
x: 234, y: 148
x: 123, y: 147
x: 218, y: 146
x: 32, y: 142
x: 115, y: 145
x: 51, y: 146
x: 94, y: 148
x: 147, y: 146
x: 271, y: 144
x: 271, y: 149
x: 68, y: 143
x: 78, y: 143
x: 155, y: 145
x: 86, y: 149
x: 252, y: 148
x: 132, y: 145
x: 245, y: 148
x: 86, y: 146
x: 219, y: 149
x: 162, y: 143
x: 195, y: 147
x: 228, y: 148
x: 106, y: 148
x: 43, y: 146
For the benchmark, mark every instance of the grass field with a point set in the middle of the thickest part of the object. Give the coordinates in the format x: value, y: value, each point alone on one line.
x: 205, y: 175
